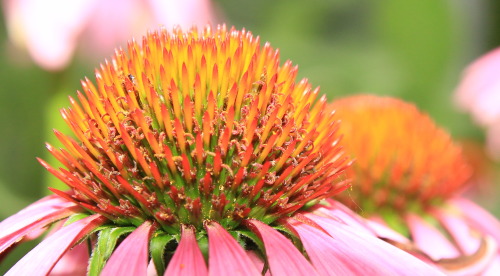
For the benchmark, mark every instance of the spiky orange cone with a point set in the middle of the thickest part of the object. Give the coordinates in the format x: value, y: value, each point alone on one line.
x: 198, y: 147
x: 408, y: 176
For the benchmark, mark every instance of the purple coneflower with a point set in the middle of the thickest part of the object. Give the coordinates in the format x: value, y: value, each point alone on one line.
x: 408, y: 176
x: 479, y: 94
x: 195, y: 154
x: 51, y: 30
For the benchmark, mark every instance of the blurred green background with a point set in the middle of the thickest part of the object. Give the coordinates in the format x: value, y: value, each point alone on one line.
x: 414, y: 50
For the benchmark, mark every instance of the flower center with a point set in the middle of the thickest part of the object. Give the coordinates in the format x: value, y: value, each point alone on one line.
x: 403, y: 161
x: 198, y: 126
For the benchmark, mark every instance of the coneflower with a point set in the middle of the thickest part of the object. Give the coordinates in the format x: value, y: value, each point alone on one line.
x: 195, y: 154
x: 478, y: 94
x: 408, y: 176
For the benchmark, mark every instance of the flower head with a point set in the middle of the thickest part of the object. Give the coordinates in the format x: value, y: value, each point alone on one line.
x: 403, y: 160
x: 231, y: 138
x: 200, y: 146
x: 408, y: 176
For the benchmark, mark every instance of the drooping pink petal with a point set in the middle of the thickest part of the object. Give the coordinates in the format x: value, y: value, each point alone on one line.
x: 187, y: 259
x: 283, y: 257
x: 383, y: 231
x: 336, y: 210
x: 480, y: 251
x: 329, y: 256
x: 429, y: 239
x: 45, y: 255
x: 378, y: 253
x: 33, y: 218
x: 43, y: 205
x: 225, y: 254
x: 478, y: 217
x: 258, y: 262
x: 73, y: 263
x: 131, y: 256
x: 35, y: 233
x: 466, y: 238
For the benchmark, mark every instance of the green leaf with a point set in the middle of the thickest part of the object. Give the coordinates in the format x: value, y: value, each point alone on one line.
x: 75, y: 218
x: 202, y: 240
x: 105, y: 245
x: 157, y: 246
x: 291, y: 236
x: 254, y: 238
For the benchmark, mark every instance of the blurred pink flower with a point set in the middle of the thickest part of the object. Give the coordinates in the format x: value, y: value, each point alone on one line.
x: 410, y: 176
x: 479, y: 94
x: 51, y: 30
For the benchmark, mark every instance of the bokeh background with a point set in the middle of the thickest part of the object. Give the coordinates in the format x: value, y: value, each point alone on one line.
x: 412, y: 49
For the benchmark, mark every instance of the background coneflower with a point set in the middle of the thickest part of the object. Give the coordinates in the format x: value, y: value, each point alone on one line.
x: 478, y: 94
x: 193, y: 154
x: 51, y: 31
x: 408, y: 176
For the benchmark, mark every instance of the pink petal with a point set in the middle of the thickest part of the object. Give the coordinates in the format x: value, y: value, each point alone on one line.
x: 45, y: 255
x: 377, y: 253
x: 113, y: 23
x: 258, y: 262
x: 33, y: 218
x: 151, y: 269
x: 187, y: 259
x: 183, y: 13
x: 73, y: 263
x: 430, y: 240
x: 479, y: 89
x: 49, y: 28
x: 462, y: 234
x: 494, y: 268
x: 486, y: 110
x: 131, y: 256
x: 331, y: 257
x: 383, y: 231
x: 283, y: 257
x: 226, y: 256
x: 478, y: 217
x: 336, y: 210
x: 44, y: 205
x: 470, y: 243
x: 492, y: 139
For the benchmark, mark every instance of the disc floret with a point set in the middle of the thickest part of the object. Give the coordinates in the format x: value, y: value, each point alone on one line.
x: 198, y: 126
